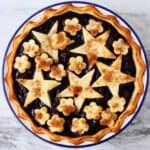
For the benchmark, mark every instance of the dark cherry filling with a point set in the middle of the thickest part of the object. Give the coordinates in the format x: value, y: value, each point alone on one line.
x: 125, y: 90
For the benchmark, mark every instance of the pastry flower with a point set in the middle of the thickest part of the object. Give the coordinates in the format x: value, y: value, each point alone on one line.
x: 72, y: 26
x: 22, y: 63
x: 93, y: 111
x: 116, y: 104
x: 120, y: 47
x: 57, y: 72
x: 41, y: 115
x: 56, y: 124
x: 77, y: 64
x: 66, y: 106
x: 94, y: 27
x: 79, y: 125
x: 30, y: 48
x: 43, y: 62
x: 108, y: 118
x: 59, y: 40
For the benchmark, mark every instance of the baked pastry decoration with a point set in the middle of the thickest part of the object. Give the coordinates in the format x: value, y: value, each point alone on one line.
x: 43, y: 62
x: 77, y: 64
x: 30, y: 48
x: 80, y: 89
x: 120, y: 47
x: 93, y: 111
x: 75, y: 74
x: 72, y: 26
x: 112, y: 76
x: 56, y: 124
x: 41, y: 115
x: 22, y: 63
x: 94, y: 27
x: 38, y: 87
x: 108, y: 118
x: 66, y: 106
x: 57, y: 72
x: 94, y: 47
x: 79, y: 125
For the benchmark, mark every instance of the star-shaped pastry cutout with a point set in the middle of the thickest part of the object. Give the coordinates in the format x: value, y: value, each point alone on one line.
x: 45, y: 41
x: 112, y: 76
x: 80, y: 88
x: 93, y: 47
x: 38, y: 88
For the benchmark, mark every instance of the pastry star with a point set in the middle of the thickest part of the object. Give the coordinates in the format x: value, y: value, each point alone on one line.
x: 80, y: 88
x: 45, y: 41
x: 112, y: 76
x: 38, y: 88
x: 93, y: 47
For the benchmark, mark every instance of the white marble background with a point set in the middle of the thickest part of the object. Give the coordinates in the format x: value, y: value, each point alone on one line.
x: 13, y: 136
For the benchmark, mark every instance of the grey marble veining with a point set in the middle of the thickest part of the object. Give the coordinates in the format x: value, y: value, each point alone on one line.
x: 13, y: 136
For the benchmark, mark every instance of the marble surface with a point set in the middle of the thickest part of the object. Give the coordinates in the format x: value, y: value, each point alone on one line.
x: 13, y: 136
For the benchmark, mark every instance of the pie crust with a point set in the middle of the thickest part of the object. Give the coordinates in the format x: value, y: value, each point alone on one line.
x: 138, y: 79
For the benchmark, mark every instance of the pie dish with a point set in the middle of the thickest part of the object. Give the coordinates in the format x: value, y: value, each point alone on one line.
x: 75, y: 74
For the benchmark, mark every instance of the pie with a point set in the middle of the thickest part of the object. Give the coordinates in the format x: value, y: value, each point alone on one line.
x: 75, y: 74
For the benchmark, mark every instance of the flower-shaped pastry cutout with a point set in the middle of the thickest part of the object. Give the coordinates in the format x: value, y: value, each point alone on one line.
x: 93, y: 111
x: 66, y: 106
x: 60, y: 40
x: 116, y: 104
x: 94, y: 27
x: 72, y: 26
x: 57, y: 72
x: 30, y: 48
x: 120, y: 47
x: 79, y: 125
x: 41, y: 115
x: 108, y: 118
x: 56, y: 124
x: 22, y: 63
x: 76, y: 64
x: 43, y: 62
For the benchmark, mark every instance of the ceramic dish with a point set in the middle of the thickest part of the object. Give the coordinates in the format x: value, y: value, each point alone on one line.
x: 75, y: 74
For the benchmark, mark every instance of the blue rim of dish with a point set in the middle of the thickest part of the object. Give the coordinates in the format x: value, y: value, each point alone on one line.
x: 108, y: 10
